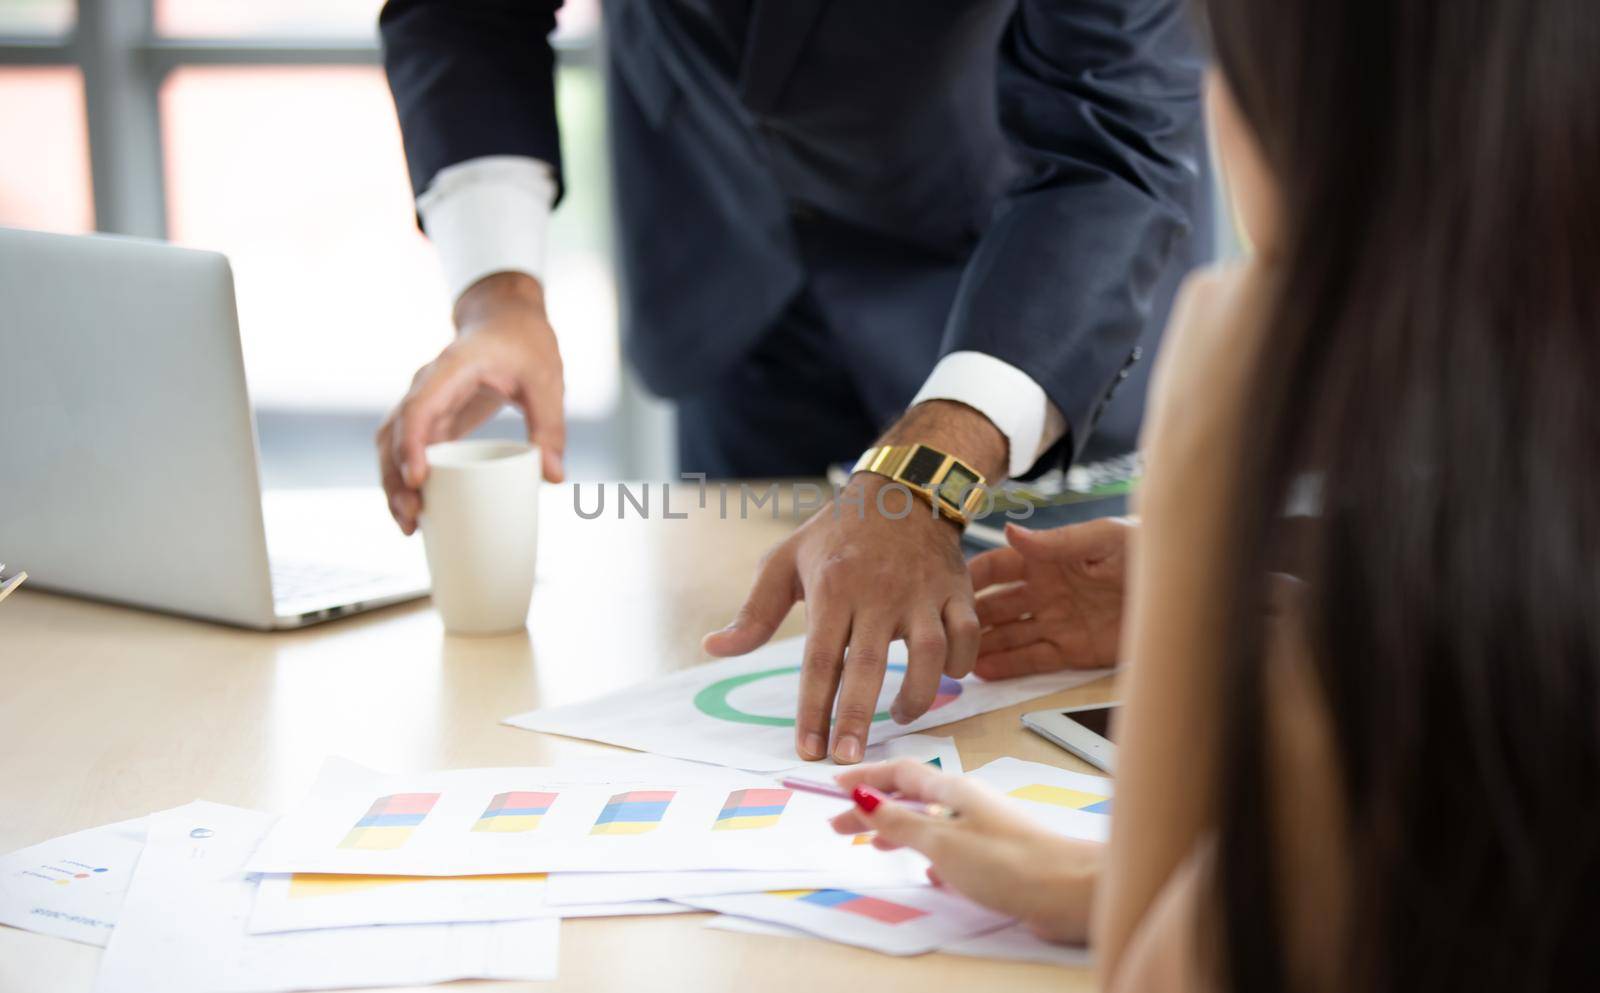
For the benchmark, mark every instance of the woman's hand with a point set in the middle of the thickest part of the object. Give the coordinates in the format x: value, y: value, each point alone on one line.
x: 1053, y: 599
x: 987, y: 851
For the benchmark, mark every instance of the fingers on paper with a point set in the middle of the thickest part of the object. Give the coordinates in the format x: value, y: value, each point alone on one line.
x: 862, y: 677
x: 906, y: 778
x: 900, y: 826
x: 927, y: 647
x: 901, y: 780
x: 819, y: 680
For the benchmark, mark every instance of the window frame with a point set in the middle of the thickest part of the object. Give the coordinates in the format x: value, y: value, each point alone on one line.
x: 124, y: 63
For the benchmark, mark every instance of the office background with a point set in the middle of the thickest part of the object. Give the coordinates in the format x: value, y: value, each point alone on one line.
x: 264, y: 129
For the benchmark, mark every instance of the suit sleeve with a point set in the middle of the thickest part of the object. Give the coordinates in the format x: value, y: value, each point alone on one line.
x: 1101, y: 102
x: 472, y: 78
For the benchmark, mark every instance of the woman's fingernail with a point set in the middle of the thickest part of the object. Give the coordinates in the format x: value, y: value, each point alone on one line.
x: 866, y: 798
x: 815, y: 746
x: 848, y: 749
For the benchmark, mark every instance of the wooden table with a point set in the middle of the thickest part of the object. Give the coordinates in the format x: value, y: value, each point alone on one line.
x: 108, y: 713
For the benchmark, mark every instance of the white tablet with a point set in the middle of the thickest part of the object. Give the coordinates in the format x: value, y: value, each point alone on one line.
x: 1083, y: 731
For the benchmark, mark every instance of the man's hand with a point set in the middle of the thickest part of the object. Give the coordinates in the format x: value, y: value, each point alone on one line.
x: 869, y: 579
x: 1053, y: 600
x: 504, y: 352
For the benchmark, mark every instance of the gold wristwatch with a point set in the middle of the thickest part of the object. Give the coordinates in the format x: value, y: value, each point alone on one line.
x: 952, y: 486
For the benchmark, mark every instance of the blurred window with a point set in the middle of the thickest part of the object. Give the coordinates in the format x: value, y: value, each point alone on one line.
x: 297, y: 174
x: 305, y: 18
x: 292, y: 166
x: 36, y: 17
x: 44, y: 179
x: 268, y: 18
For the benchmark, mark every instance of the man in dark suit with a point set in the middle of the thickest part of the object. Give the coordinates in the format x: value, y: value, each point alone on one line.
x: 953, y: 224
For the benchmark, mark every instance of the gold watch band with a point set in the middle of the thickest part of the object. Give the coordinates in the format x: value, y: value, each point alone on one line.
x: 954, y: 488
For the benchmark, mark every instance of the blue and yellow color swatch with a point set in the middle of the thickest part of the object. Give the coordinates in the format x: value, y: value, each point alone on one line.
x: 634, y: 812
x: 1060, y: 796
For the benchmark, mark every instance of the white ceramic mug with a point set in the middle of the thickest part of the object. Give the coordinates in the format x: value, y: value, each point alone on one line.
x: 480, y: 527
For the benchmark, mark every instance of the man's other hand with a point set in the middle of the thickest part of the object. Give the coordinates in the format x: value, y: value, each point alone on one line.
x: 1053, y: 599
x: 869, y: 578
x: 504, y: 352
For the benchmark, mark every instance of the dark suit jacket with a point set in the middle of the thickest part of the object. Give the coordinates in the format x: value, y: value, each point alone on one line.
x: 1044, y: 158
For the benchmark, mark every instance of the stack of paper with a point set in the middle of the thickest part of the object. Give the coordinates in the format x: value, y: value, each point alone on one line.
x: 1014, y: 941
x: 72, y: 887
x: 168, y: 898
x: 384, y: 879
x: 182, y: 927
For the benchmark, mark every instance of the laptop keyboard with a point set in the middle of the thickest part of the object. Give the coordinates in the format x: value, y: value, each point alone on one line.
x: 305, y: 581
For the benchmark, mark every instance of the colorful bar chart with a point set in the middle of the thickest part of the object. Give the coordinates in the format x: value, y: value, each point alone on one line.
x: 634, y: 812
x: 747, y: 809
x: 388, y: 823
x: 880, y: 910
x: 948, y: 690
x: 1060, y: 796
x: 516, y: 812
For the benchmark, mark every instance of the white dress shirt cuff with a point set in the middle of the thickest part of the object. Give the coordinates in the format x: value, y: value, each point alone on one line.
x: 489, y: 215
x: 1012, y: 401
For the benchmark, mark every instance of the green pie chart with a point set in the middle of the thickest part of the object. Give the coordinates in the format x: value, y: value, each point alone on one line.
x: 713, y: 700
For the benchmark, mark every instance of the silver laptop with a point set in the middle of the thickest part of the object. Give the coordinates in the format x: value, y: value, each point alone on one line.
x: 128, y: 451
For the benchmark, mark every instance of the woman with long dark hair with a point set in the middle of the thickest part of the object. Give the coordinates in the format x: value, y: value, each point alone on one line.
x: 1361, y: 747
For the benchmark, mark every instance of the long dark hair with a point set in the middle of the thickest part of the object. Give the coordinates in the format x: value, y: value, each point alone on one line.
x: 1433, y: 363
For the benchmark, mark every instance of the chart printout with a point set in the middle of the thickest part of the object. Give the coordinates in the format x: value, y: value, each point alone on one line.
x: 740, y: 712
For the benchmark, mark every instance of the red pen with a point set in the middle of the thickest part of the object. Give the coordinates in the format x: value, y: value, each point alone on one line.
x: 830, y: 790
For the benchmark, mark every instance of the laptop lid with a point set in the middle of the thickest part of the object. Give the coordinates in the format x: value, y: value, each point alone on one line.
x: 127, y: 448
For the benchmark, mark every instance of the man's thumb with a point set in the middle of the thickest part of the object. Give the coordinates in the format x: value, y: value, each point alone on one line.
x: 764, y: 609
x: 1087, y: 541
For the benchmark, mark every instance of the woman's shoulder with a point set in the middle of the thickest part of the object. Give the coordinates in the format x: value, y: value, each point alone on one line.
x: 1202, y: 374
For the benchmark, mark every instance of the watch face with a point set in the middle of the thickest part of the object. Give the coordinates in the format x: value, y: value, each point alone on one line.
x: 957, y: 483
x: 922, y: 466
